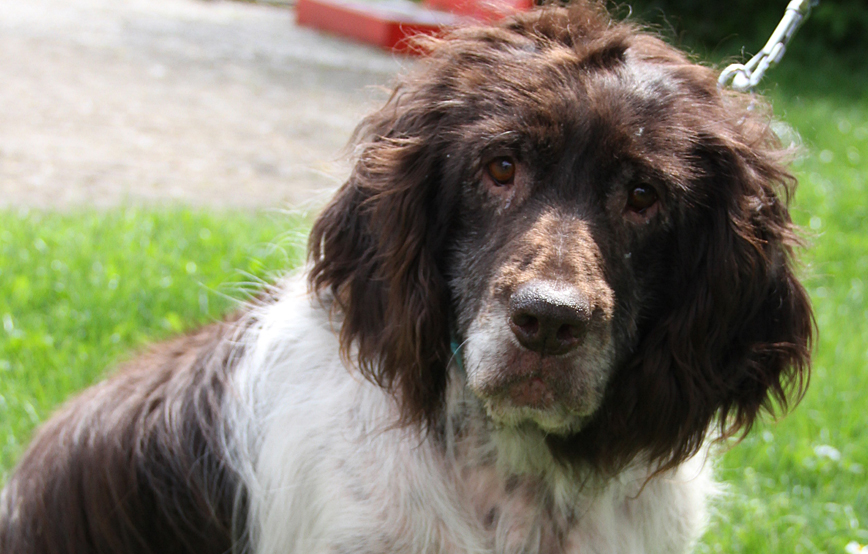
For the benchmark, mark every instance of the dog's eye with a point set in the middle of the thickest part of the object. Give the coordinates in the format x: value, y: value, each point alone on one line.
x: 502, y: 170
x: 641, y: 198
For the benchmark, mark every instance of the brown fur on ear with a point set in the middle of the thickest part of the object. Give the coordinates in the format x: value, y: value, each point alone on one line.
x: 376, y: 248
x: 738, y: 337
x: 733, y: 332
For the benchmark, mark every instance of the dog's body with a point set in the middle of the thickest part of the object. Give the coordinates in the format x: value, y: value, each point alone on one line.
x: 561, y: 261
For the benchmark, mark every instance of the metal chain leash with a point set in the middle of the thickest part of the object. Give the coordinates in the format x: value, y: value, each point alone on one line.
x: 745, y: 77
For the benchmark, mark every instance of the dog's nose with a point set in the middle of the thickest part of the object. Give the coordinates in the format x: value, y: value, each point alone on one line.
x: 549, y: 317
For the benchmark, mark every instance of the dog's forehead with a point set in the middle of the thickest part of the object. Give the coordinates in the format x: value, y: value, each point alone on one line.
x: 540, y: 95
x: 639, y: 84
x: 551, y: 106
x: 618, y: 123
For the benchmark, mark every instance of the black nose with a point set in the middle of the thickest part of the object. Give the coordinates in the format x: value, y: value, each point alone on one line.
x: 548, y: 316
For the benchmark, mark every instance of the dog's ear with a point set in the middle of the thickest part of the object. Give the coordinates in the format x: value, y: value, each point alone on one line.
x: 745, y: 321
x: 732, y: 336
x: 376, y: 249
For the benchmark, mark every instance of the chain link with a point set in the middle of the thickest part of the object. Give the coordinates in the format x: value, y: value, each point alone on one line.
x: 745, y: 77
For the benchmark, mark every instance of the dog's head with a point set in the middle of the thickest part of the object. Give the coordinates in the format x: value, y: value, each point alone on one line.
x: 603, y: 230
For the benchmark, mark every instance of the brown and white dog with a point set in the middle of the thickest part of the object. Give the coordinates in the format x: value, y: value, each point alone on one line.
x: 561, y: 265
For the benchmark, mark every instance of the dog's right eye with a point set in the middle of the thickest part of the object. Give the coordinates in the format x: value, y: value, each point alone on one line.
x: 641, y: 198
x: 502, y: 170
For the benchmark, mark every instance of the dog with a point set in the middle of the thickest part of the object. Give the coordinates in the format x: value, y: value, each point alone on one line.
x: 562, y: 267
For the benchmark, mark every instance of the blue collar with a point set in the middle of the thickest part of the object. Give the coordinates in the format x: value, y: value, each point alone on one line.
x: 455, y: 346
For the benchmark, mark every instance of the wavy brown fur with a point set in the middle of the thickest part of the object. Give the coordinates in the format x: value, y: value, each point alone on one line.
x: 134, y: 464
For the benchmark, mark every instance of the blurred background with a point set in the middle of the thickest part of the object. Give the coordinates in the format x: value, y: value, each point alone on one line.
x: 161, y: 159
x: 836, y: 27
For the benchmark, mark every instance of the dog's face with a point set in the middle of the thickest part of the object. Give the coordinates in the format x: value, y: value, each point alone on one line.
x: 570, y: 190
x: 598, y: 226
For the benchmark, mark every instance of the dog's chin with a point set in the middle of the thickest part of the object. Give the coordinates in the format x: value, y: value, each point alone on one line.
x: 517, y: 387
x: 559, y: 396
x: 554, y: 420
x: 558, y: 392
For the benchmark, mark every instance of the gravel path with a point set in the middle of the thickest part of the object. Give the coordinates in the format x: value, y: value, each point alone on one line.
x: 115, y: 102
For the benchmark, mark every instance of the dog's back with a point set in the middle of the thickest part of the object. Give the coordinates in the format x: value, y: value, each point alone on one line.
x: 130, y: 465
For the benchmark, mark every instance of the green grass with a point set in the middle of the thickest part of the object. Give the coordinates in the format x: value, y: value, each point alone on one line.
x: 80, y: 291
x: 801, y: 484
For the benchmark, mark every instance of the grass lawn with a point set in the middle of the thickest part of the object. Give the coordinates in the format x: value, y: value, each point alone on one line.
x: 801, y: 484
x: 81, y: 291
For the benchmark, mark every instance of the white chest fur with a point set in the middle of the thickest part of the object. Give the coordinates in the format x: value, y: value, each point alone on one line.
x: 326, y: 471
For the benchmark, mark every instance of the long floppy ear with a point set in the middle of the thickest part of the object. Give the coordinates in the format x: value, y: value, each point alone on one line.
x: 747, y: 324
x: 737, y: 339
x: 731, y: 334
x: 376, y: 248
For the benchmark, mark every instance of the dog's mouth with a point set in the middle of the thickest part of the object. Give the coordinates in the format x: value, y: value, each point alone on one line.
x: 533, y: 392
x: 541, y: 402
x: 558, y: 392
x: 540, y: 346
x: 527, y: 380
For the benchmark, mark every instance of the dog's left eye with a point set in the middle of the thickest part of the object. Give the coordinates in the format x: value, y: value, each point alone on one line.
x: 641, y: 198
x: 502, y: 170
